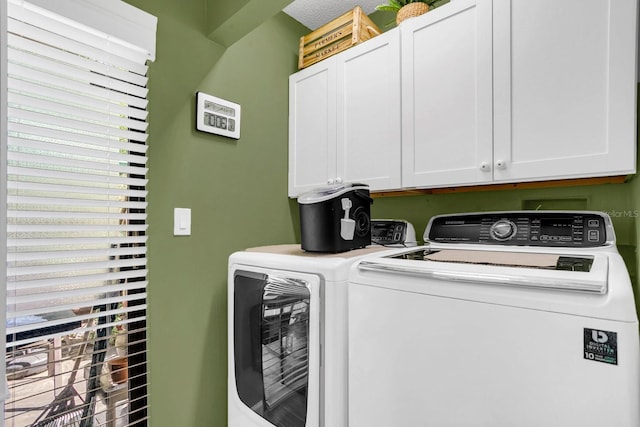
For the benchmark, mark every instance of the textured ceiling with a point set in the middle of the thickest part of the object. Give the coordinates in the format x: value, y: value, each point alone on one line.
x: 315, y: 13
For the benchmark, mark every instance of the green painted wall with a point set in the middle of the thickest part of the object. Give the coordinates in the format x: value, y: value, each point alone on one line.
x: 236, y: 190
x: 237, y: 193
x: 218, y: 11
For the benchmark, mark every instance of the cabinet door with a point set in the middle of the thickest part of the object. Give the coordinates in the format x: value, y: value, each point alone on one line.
x: 447, y: 96
x: 368, y: 113
x: 564, y: 88
x: 312, y: 127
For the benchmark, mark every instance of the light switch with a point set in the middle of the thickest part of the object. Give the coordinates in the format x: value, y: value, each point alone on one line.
x: 181, y: 222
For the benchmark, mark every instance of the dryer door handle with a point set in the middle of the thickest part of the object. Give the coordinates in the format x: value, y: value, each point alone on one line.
x: 477, y: 277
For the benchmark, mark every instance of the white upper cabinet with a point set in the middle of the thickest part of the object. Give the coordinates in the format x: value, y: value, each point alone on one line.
x: 369, y: 113
x: 447, y: 96
x: 312, y: 127
x: 473, y: 92
x: 564, y: 88
x: 512, y: 91
x: 344, y: 118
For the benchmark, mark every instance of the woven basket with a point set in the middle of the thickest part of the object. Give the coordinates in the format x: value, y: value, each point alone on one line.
x: 410, y: 10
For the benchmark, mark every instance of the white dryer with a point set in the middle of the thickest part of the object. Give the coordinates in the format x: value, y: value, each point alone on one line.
x: 287, y: 337
x: 502, y: 319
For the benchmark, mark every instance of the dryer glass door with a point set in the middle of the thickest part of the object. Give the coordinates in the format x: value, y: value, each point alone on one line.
x: 271, y: 337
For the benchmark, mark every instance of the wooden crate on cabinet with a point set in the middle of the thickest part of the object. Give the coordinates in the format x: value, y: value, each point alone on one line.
x: 346, y: 31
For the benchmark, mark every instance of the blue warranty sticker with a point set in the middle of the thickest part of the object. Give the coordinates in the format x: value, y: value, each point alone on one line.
x: 601, y: 346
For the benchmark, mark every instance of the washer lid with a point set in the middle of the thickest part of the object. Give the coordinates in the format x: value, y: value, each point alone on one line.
x: 476, y: 270
x: 322, y: 194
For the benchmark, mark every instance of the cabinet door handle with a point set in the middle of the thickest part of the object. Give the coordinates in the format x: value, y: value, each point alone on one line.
x: 338, y: 180
x: 330, y: 181
x: 485, y: 167
x: 501, y: 164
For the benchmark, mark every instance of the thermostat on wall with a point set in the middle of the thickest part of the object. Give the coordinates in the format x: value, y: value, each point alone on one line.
x: 216, y: 115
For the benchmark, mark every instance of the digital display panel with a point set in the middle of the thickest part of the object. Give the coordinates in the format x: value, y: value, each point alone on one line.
x: 379, y: 230
x: 217, y: 115
x: 556, y: 226
x: 218, y: 108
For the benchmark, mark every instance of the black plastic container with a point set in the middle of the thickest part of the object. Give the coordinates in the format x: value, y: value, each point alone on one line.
x: 336, y: 218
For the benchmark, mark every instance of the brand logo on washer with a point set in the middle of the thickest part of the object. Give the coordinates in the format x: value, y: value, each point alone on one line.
x: 601, y: 346
x: 599, y: 336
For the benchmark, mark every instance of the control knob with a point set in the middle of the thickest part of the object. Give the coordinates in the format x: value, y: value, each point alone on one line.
x: 503, y: 230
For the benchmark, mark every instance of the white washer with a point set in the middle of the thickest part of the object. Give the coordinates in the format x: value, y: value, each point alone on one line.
x: 502, y: 319
x: 287, y: 337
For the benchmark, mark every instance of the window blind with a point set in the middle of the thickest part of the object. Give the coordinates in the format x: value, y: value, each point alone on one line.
x: 76, y: 223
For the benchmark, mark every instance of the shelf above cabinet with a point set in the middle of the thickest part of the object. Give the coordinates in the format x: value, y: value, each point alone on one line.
x: 501, y: 187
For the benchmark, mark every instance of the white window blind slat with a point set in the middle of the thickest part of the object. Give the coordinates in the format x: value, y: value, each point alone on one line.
x: 96, y: 300
x: 74, y: 126
x: 91, y: 103
x: 141, y: 296
x: 48, y: 336
x: 77, y: 280
x: 103, y: 217
x: 84, y: 272
x: 54, y: 323
x: 59, y: 187
x: 80, y: 318
x: 76, y: 190
x: 24, y: 229
x: 53, y: 162
x: 133, y: 26
x: 26, y: 130
x: 90, y: 253
x: 106, y: 168
x: 51, y: 29
x: 20, y: 72
x: 24, y: 297
x: 61, y: 148
x: 86, y: 250
x: 44, y: 50
x: 79, y: 177
x: 70, y: 203
x: 106, y: 297
x: 75, y: 268
x: 76, y: 258
x: 80, y: 114
x: 72, y: 72
x: 27, y: 228
x: 69, y: 242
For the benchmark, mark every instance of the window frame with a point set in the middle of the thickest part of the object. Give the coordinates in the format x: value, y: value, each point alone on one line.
x: 112, y: 16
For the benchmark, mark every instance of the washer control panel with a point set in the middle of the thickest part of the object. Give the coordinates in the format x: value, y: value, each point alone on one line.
x: 524, y: 228
x: 389, y: 232
x: 503, y: 229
